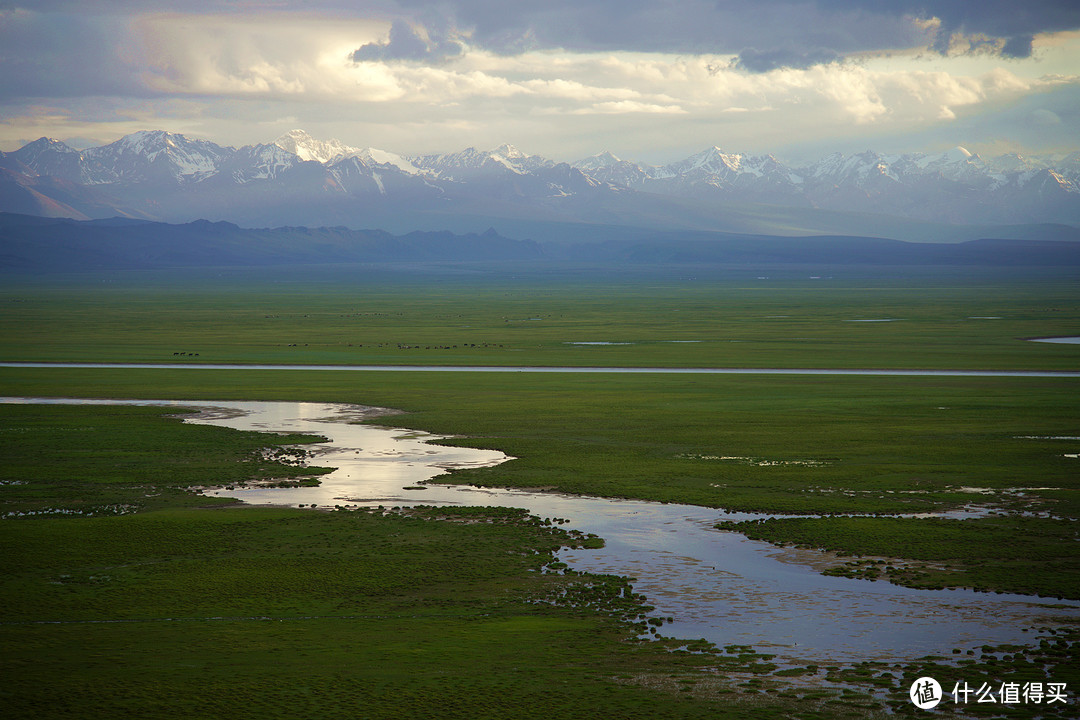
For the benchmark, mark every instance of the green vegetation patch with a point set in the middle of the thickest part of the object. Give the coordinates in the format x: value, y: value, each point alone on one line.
x: 1010, y: 553
x: 669, y: 317
x: 83, y: 460
x: 877, y: 445
x: 235, y: 612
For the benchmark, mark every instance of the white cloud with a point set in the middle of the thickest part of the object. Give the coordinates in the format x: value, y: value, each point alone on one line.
x: 628, y: 106
x: 236, y: 71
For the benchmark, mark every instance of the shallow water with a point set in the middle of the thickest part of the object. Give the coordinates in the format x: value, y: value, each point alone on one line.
x: 716, y: 585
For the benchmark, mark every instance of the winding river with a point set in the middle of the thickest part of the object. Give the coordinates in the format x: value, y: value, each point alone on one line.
x: 716, y: 585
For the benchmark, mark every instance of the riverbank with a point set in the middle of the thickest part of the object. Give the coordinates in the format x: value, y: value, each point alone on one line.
x: 167, y: 610
x: 813, y: 443
x: 741, y: 679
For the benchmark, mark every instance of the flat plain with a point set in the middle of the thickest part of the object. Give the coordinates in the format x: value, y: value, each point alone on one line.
x: 489, y: 315
x: 829, y: 445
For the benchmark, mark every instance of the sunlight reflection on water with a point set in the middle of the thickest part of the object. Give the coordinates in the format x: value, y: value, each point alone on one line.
x: 716, y: 585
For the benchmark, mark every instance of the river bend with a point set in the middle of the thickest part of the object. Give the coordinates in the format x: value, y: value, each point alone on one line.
x: 716, y: 585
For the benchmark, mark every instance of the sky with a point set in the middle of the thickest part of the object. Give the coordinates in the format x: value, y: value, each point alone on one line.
x: 648, y: 80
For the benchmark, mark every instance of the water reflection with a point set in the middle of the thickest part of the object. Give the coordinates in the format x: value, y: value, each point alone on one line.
x: 716, y: 585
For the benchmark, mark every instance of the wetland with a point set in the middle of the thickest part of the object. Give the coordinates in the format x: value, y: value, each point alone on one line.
x: 112, y: 563
x: 708, y: 584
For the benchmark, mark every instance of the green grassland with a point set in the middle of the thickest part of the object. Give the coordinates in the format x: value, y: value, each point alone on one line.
x: 828, y: 445
x: 689, y: 318
x: 815, y: 444
x: 185, y: 609
x: 37, y: 443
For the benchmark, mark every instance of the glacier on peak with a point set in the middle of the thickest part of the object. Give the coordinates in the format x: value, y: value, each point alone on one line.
x: 157, y: 153
x: 509, y: 152
x: 304, y: 146
x: 374, y: 156
x: 952, y: 184
x: 597, y: 161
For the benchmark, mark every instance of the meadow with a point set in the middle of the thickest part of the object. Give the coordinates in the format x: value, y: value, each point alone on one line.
x: 182, y: 606
x: 800, y: 444
x: 672, y: 317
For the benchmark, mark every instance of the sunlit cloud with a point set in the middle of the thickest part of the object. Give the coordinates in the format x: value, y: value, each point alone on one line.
x: 628, y: 106
x: 450, y: 75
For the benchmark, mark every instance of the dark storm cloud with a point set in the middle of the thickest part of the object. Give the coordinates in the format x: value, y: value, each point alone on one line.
x: 1018, y: 46
x: 781, y: 32
x: 1006, y: 20
x: 1015, y: 23
x: 81, y: 47
x: 996, y: 18
x: 671, y: 25
x: 406, y: 44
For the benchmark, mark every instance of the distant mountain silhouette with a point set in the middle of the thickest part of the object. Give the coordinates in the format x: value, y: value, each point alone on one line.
x: 31, y: 244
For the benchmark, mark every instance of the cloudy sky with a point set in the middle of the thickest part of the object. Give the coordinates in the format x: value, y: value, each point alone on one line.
x: 650, y: 80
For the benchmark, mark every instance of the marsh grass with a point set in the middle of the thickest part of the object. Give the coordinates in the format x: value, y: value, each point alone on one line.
x: 888, y: 445
x: 258, y: 612
x: 86, y: 460
x: 685, y: 318
x: 444, y: 620
x: 1032, y: 556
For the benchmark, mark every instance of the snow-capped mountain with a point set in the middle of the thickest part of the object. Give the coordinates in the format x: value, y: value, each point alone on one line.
x: 305, y: 147
x: 373, y: 156
x: 53, y: 158
x: 156, y: 155
x: 259, y: 162
x: 298, y: 179
x: 330, y: 152
x: 954, y: 186
x: 471, y: 162
x: 506, y: 173
x: 598, y: 161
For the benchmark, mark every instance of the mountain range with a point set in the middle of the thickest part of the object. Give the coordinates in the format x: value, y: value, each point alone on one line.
x: 298, y: 180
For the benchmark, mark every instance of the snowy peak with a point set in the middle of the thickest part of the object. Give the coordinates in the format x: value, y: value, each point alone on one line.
x: 153, y: 143
x: 306, y: 147
x: 596, y: 162
x: 374, y: 156
x: 471, y: 162
x: 332, y: 152
x: 716, y: 167
x: 157, y: 154
x: 509, y: 152
x: 42, y: 145
x: 714, y: 158
x: 44, y: 152
x: 260, y: 162
x: 709, y: 164
x: 144, y: 169
x: 48, y: 157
